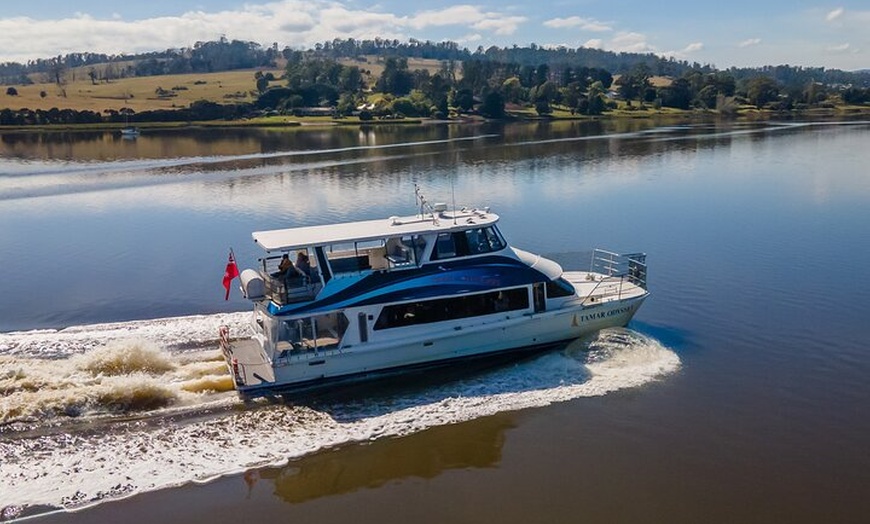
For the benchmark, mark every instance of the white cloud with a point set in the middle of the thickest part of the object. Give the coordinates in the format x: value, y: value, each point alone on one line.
x: 586, y: 24
x: 623, y: 41
x: 506, y: 25
x: 683, y: 54
x: 835, y: 14
x: 470, y: 38
x: 841, y: 48
x: 630, y: 42
x: 749, y: 42
x: 448, y: 16
x: 297, y: 23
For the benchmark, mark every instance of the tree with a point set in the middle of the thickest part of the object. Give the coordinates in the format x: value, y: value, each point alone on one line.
x: 58, y: 72
x: 571, y: 94
x: 262, y: 82
x: 346, y: 104
x: 634, y: 84
x: 396, y: 78
x: 463, y: 99
x: 596, y: 103
x: 512, y: 89
x: 11, y: 91
x: 762, y: 90
x: 678, y: 94
x: 492, y: 105
x: 547, y: 92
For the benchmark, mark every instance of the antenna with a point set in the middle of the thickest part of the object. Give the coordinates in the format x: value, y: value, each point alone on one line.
x: 425, y: 205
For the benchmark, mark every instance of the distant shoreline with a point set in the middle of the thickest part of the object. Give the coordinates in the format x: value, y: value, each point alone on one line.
x: 320, y: 122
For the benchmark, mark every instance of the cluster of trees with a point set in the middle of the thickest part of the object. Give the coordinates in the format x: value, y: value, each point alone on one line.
x: 489, y: 87
x: 413, y: 48
x: 856, y: 95
x: 203, y: 57
x: 209, y: 57
x: 576, y: 79
x: 197, y: 112
x: 24, y: 117
x: 722, y: 90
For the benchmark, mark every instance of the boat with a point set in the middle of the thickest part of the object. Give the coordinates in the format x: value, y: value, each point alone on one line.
x: 383, y: 296
x: 130, y: 132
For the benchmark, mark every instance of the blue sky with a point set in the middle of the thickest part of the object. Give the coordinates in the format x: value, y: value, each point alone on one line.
x: 733, y: 33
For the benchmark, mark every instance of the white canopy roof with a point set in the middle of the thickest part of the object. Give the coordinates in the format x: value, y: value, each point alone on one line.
x: 299, y: 237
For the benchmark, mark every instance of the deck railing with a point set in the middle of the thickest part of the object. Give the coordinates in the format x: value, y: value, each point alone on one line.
x: 292, y: 289
x: 617, y: 269
x: 632, y: 266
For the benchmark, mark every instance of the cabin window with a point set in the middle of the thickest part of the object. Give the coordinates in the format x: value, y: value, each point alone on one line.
x: 400, y: 252
x: 475, y: 241
x: 354, y: 257
x: 559, y: 288
x: 316, y: 333
x: 493, y: 241
x: 445, y: 247
x: 442, y: 309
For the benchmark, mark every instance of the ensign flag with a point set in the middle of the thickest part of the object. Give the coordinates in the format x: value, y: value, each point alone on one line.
x: 231, y: 272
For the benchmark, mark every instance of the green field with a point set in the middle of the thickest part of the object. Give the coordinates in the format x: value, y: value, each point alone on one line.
x: 137, y: 93
x: 144, y: 93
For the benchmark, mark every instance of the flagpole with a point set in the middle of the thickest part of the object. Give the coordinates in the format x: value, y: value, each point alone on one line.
x: 231, y: 273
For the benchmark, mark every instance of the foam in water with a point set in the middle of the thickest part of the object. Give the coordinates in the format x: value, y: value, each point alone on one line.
x: 178, y: 332
x: 121, y: 377
x: 74, y: 467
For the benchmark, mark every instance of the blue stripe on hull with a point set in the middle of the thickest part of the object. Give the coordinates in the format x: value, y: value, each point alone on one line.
x: 453, y: 278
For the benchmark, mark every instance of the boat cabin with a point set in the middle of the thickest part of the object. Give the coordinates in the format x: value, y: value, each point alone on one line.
x: 338, y: 252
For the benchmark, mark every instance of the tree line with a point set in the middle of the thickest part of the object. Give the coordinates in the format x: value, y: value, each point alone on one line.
x: 491, y: 87
x: 491, y: 82
x: 224, y: 54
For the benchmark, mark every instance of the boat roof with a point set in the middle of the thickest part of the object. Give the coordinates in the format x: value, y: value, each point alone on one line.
x: 299, y: 237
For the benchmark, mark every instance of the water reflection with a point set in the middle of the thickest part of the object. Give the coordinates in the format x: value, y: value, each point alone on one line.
x: 152, y: 228
x: 424, y: 455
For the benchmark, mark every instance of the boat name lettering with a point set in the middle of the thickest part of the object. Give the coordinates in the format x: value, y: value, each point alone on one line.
x: 605, y: 314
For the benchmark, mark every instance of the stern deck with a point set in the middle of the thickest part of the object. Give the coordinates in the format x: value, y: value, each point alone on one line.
x: 247, y: 362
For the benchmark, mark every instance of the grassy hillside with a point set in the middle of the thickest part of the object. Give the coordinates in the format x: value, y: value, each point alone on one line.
x: 140, y: 93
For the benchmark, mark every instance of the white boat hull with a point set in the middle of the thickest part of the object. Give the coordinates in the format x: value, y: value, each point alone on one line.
x: 455, y: 341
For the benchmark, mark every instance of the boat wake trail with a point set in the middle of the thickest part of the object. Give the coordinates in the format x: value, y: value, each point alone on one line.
x: 120, y: 378
x: 88, y: 423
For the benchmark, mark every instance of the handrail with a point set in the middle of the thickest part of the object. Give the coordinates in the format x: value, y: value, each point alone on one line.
x: 616, y: 269
x: 632, y: 266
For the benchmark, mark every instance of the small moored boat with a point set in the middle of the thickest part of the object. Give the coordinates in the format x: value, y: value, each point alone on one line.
x: 130, y: 132
x: 379, y: 296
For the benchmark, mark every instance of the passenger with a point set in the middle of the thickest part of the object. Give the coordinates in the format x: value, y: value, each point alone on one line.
x: 303, y: 264
x: 285, y: 268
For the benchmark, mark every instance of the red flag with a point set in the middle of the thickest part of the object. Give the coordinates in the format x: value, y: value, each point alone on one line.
x: 231, y: 272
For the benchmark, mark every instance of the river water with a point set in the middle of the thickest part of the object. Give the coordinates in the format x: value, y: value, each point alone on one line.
x: 738, y: 393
